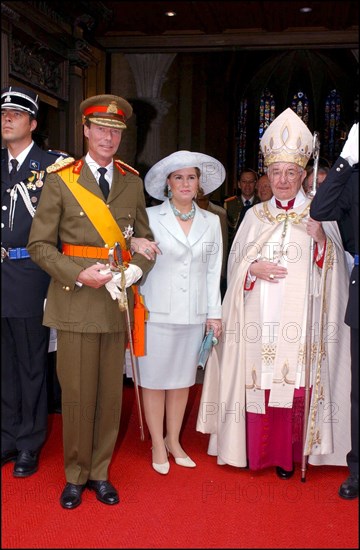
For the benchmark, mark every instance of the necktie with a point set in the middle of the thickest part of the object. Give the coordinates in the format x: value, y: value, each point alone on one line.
x: 103, y: 183
x: 13, y: 171
x: 289, y: 205
x: 247, y: 203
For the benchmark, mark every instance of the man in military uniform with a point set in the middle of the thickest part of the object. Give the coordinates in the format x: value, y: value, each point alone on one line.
x: 24, y: 350
x: 90, y: 205
x: 237, y: 206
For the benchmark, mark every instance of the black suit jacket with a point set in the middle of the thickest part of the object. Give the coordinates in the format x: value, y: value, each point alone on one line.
x: 23, y: 284
x: 339, y: 194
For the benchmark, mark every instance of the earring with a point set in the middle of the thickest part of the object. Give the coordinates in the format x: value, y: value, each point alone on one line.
x: 169, y: 192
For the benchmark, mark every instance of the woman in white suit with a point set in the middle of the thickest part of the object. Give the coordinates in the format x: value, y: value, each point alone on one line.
x: 182, y: 294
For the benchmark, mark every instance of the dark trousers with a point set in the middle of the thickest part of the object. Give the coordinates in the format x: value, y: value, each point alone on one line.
x: 53, y: 385
x: 353, y: 455
x: 24, y: 413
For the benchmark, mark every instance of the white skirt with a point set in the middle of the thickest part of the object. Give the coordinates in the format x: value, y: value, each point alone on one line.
x: 171, y: 356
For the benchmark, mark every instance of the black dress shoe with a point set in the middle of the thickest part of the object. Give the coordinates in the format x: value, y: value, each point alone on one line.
x: 284, y: 474
x: 350, y: 488
x: 27, y: 463
x: 71, y: 496
x: 105, y: 492
x: 8, y: 456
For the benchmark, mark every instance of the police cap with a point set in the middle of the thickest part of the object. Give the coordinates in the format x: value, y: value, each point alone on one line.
x: 20, y: 99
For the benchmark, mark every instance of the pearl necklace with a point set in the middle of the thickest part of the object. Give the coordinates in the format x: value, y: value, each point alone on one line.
x: 183, y: 217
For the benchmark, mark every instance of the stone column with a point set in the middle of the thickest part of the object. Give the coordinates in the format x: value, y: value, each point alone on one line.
x: 149, y: 72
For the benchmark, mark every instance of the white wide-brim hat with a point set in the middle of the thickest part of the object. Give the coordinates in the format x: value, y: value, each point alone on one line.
x: 212, y: 172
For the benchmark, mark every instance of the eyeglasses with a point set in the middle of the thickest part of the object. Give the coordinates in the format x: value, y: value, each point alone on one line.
x: 290, y: 174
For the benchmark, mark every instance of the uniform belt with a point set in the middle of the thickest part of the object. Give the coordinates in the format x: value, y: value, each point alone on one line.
x: 356, y: 259
x: 19, y: 253
x: 95, y: 252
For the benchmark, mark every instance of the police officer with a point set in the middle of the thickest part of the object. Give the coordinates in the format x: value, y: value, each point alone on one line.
x: 337, y: 199
x: 24, y: 349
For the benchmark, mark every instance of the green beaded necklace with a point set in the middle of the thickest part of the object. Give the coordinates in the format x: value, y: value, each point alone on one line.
x: 183, y: 217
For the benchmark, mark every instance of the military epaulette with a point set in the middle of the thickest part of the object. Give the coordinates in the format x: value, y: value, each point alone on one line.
x: 60, y: 164
x: 230, y: 198
x: 121, y: 165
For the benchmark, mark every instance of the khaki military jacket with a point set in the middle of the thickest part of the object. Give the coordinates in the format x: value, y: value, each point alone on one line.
x: 60, y: 219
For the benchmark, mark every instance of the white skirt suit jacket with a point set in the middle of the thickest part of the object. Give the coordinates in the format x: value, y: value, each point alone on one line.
x: 183, y: 287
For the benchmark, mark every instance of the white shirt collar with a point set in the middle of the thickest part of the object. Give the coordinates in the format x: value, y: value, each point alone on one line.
x: 93, y: 165
x: 244, y: 200
x: 21, y: 157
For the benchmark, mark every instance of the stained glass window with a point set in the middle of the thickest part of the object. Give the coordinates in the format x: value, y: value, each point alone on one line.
x: 332, y: 132
x: 300, y: 104
x: 266, y: 116
x: 241, y: 136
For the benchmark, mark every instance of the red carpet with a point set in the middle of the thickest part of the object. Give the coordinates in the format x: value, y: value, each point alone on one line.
x: 210, y: 506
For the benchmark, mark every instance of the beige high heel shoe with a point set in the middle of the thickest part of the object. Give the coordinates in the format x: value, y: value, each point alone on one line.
x: 162, y: 468
x: 186, y: 461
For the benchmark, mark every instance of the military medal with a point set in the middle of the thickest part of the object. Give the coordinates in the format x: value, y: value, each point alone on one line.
x: 39, y: 182
x: 31, y: 185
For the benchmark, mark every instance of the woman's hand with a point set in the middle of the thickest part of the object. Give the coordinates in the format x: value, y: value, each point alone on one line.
x: 143, y: 246
x: 214, y: 324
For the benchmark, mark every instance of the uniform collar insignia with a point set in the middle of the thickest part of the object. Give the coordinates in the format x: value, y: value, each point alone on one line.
x: 34, y: 165
x: 77, y: 166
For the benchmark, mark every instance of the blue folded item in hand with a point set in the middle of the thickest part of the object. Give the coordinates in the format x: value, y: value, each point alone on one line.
x: 206, y: 346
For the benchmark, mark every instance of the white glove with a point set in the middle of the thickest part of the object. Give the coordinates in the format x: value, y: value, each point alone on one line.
x: 350, y: 150
x: 114, y: 285
x: 132, y: 274
x: 113, y: 288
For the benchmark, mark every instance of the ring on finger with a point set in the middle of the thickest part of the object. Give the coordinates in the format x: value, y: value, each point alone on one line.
x: 147, y: 251
x: 271, y: 276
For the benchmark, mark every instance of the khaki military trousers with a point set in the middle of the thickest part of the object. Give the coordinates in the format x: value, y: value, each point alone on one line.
x: 90, y: 371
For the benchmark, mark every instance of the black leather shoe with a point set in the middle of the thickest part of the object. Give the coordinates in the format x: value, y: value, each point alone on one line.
x: 350, y: 488
x: 71, y: 496
x: 8, y: 456
x: 105, y: 492
x: 284, y: 474
x: 27, y: 463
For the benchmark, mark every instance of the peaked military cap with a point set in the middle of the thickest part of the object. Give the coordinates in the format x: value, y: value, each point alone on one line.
x: 20, y: 99
x: 106, y: 110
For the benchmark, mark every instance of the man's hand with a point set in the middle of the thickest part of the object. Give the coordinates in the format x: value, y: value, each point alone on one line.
x: 315, y: 230
x: 94, y: 276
